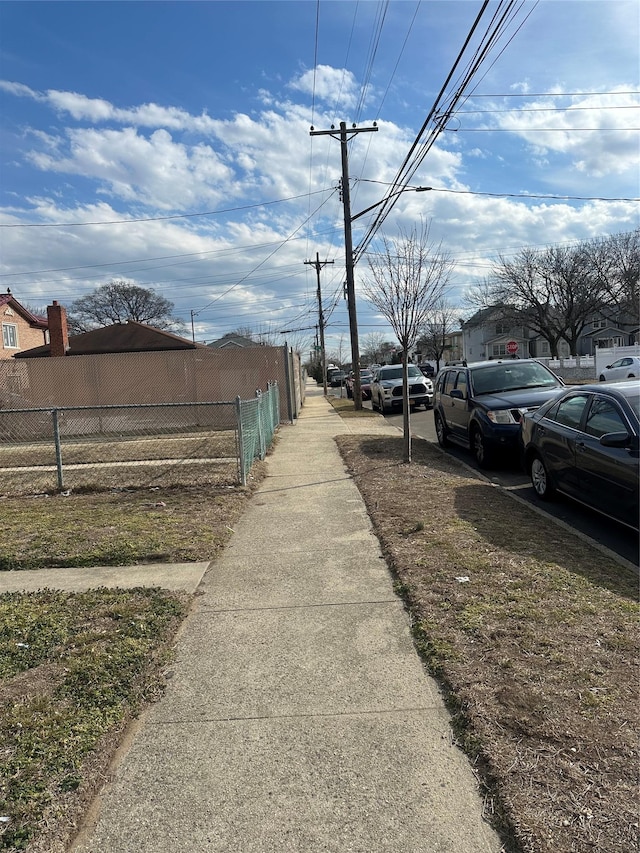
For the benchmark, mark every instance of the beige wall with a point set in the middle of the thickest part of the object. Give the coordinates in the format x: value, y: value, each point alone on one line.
x: 202, y: 375
x: 27, y: 336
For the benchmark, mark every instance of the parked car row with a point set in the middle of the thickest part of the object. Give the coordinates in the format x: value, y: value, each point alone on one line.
x: 582, y: 441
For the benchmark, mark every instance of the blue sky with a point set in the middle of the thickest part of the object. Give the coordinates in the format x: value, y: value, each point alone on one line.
x: 168, y: 144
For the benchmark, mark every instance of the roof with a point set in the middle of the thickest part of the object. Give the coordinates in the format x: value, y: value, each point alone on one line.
x: 32, y: 319
x: 231, y: 340
x: 120, y: 337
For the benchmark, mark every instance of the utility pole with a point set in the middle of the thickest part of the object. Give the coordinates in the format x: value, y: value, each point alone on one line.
x: 344, y: 137
x: 318, y: 264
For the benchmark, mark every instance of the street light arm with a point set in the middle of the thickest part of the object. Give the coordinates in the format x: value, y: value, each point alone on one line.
x: 391, y: 195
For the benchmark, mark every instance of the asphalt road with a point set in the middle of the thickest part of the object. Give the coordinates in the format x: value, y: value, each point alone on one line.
x: 607, y: 533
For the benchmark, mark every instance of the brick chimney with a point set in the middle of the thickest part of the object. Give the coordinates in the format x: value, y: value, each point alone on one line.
x: 58, y: 333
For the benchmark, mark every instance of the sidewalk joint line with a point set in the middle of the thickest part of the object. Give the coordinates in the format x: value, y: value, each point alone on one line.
x: 300, y: 716
x: 213, y: 609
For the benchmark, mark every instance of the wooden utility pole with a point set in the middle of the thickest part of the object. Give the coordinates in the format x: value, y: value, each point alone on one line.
x: 318, y: 264
x: 344, y: 136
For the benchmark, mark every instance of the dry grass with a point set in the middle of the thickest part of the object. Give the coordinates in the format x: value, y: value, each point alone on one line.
x: 534, y: 637
x: 209, y: 458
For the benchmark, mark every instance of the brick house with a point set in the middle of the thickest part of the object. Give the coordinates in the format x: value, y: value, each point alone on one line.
x: 21, y: 330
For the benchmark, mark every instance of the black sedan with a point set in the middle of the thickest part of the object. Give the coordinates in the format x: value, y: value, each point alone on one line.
x: 585, y: 444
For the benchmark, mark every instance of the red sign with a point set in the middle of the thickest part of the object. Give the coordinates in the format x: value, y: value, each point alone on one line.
x: 512, y: 347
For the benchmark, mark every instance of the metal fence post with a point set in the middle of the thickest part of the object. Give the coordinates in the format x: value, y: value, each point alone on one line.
x: 56, y: 441
x: 261, y: 440
x: 242, y: 466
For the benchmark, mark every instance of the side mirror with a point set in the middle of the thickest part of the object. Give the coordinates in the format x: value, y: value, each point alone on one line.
x: 619, y: 439
x: 457, y: 394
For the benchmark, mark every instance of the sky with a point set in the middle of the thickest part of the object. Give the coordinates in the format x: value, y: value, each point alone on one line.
x: 168, y: 144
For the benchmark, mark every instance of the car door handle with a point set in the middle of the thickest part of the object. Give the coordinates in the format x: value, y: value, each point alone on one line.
x: 581, y: 446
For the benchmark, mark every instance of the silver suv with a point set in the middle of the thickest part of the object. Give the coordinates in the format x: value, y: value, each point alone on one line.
x: 386, y: 388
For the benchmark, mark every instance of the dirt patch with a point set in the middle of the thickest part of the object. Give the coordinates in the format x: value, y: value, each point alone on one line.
x: 533, y: 636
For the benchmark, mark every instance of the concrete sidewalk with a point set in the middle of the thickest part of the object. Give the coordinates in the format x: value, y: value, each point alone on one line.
x: 298, y: 716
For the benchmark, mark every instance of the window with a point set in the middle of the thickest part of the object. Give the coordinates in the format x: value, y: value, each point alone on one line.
x: 9, y: 336
x: 569, y: 412
x: 544, y: 348
x: 498, y: 350
x: 449, y: 382
x: 598, y: 324
x: 461, y: 383
x: 604, y: 418
x: 501, y: 328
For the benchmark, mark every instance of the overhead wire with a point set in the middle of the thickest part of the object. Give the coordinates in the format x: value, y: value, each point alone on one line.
x: 444, y: 107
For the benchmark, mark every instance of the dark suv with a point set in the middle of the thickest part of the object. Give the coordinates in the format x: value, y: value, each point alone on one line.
x: 480, y: 405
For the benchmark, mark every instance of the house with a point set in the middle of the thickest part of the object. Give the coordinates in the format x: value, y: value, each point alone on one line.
x: 20, y: 328
x: 489, y: 333
x: 117, y: 338
x: 233, y: 341
x: 601, y: 333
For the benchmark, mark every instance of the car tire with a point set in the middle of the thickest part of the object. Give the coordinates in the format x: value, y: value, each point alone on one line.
x: 540, y: 479
x: 483, y: 456
x: 442, y: 433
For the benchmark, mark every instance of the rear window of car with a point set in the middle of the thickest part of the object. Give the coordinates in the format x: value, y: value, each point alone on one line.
x: 569, y: 411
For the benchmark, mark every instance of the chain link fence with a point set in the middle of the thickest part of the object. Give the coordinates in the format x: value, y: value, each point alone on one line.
x: 134, y: 446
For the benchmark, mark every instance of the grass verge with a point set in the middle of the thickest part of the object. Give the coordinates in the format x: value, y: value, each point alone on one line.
x: 533, y: 637
x: 121, y: 526
x: 74, y: 669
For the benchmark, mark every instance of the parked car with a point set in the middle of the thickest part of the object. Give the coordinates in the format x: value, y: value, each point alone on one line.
x: 386, y: 388
x: 585, y: 444
x: 480, y: 405
x: 624, y: 368
x: 427, y: 369
x: 365, y: 384
x: 337, y: 378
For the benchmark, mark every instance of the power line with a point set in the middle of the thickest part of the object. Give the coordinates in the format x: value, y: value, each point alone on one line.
x: 163, y: 218
x: 514, y: 195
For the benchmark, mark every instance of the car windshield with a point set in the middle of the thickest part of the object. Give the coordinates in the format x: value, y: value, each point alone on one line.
x: 396, y: 372
x: 511, y: 376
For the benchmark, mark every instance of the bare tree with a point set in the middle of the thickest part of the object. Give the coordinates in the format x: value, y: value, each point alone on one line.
x: 616, y: 262
x: 375, y: 348
x: 553, y: 292
x: 118, y: 302
x: 433, y: 335
x: 407, y: 280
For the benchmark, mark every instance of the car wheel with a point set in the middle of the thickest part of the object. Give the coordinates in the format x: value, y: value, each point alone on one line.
x: 540, y: 479
x: 441, y: 431
x: 482, y: 455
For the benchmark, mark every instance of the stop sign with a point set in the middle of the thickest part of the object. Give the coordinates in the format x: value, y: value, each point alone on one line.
x: 512, y: 347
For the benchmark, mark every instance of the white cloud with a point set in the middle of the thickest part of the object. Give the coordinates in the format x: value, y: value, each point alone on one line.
x: 335, y: 86
x: 163, y: 159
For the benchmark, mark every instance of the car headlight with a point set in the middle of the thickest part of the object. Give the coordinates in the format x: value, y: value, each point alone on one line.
x: 503, y: 416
